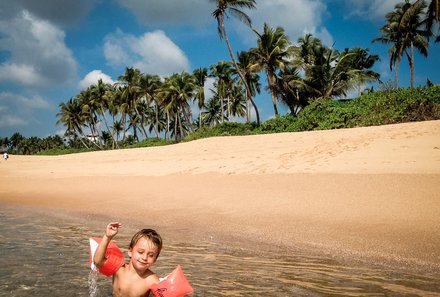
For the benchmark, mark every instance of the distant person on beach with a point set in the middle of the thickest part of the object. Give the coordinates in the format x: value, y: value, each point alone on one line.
x: 5, y: 156
x: 134, y: 278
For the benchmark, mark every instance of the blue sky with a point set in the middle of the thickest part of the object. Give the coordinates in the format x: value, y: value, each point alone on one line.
x: 52, y: 49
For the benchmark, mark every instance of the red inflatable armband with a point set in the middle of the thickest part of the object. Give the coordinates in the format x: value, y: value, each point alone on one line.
x: 115, y: 258
x: 174, y: 285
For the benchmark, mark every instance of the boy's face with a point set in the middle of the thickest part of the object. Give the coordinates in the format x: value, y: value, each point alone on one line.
x: 144, y: 254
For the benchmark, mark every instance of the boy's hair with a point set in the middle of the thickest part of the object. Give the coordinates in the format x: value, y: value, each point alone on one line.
x: 150, y: 234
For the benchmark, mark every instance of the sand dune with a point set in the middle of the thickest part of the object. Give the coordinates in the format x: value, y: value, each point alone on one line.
x: 365, y: 193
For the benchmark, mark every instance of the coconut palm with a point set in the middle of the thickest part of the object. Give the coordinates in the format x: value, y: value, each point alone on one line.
x: 149, y: 86
x: 413, y: 34
x: 89, y: 107
x: 15, y: 140
x: 304, y: 53
x: 433, y: 16
x: 245, y: 62
x: 223, y: 72
x: 290, y: 89
x: 334, y: 74
x: 200, y: 75
x: 390, y: 36
x: 117, y: 129
x: 70, y: 115
x: 237, y: 105
x: 272, y: 53
x: 234, y: 8
x: 130, y: 94
x: 404, y: 31
x: 177, y: 91
x: 359, y: 64
x: 100, y: 94
x: 212, y: 114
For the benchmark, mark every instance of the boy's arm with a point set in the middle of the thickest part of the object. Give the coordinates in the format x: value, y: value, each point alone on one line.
x: 110, y: 232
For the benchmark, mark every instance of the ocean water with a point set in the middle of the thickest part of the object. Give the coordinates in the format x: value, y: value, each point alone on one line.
x: 47, y: 255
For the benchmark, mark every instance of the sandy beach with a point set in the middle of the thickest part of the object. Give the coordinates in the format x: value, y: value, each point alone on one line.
x: 371, y: 194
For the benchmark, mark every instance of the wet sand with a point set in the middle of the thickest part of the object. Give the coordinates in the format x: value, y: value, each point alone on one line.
x: 370, y: 194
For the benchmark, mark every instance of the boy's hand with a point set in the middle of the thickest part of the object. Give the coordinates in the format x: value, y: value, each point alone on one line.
x: 112, y: 229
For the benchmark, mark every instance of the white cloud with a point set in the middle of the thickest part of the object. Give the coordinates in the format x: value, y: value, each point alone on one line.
x: 38, y: 55
x: 8, y: 120
x: 20, y: 101
x: 63, y: 12
x: 93, y: 77
x: 152, y: 53
x: 369, y: 9
x: 296, y: 17
x: 17, y: 110
x: 171, y: 12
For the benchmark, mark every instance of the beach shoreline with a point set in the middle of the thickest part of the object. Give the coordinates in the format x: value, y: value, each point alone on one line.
x: 368, y: 194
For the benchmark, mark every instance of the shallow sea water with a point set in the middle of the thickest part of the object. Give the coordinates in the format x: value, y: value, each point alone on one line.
x: 48, y: 256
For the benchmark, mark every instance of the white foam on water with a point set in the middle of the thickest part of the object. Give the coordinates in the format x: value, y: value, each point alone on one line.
x: 93, y: 286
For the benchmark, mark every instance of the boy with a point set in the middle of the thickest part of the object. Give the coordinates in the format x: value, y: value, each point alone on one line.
x: 134, y: 278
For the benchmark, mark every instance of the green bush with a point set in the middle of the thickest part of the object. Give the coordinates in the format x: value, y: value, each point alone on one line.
x: 277, y: 124
x: 64, y: 151
x: 149, y: 143
x: 402, y: 105
x: 377, y: 108
x: 224, y: 129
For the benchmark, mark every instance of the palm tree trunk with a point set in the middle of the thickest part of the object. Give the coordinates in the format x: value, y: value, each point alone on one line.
x: 411, y: 64
x: 81, y: 140
x: 124, y: 125
x: 248, y: 112
x: 257, y: 114
x: 141, y: 119
x: 228, y: 106
x: 156, y: 124
x: 396, y: 75
x: 107, y: 127
x: 274, y: 99
x: 222, y: 107
x: 240, y: 74
x: 168, y: 125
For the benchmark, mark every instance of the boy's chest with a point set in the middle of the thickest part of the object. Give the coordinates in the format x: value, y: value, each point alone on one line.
x: 130, y: 288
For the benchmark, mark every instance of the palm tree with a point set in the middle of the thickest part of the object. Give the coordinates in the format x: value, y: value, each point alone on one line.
x: 358, y: 66
x: 15, y: 140
x: 117, y: 129
x: 413, y: 33
x: 223, y: 72
x: 245, y: 62
x: 100, y: 94
x: 233, y: 7
x: 70, y: 115
x: 390, y: 36
x: 433, y: 16
x: 290, y: 89
x: 89, y: 109
x: 404, y: 31
x: 304, y: 53
x: 212, y: 114
x: 177, y: 91
x: 334, y: 74
x: 272, y: 53
x: 130, y: 94
x: 237, y: 105
x: 200, y: 75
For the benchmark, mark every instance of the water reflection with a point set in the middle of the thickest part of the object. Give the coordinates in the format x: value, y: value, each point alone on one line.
x: 48, y: 256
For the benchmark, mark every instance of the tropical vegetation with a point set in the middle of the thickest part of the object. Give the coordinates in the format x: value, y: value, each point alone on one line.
x: 306, y: 76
